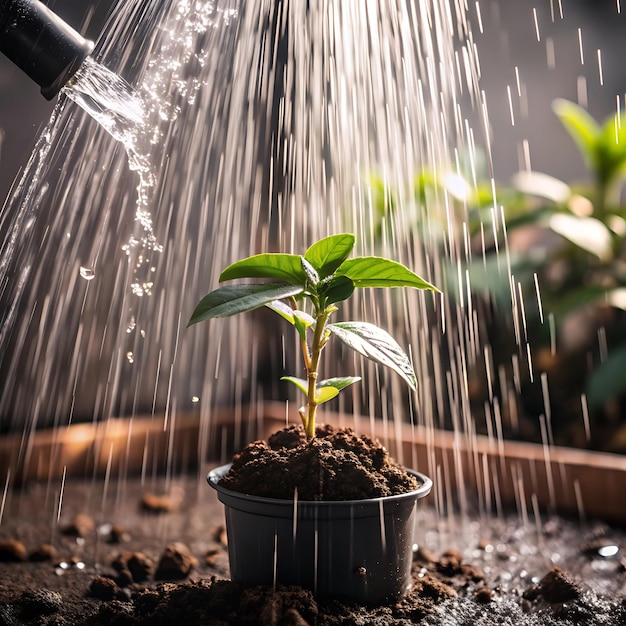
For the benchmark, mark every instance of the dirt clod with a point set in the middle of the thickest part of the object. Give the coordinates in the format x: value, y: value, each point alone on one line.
x: 210, y: 558
x: 43, y: 552
x: 220, y: 536
x: 118, y: 534
x: 556, y: 586
x: 81, y: 526
x: 103, y: 588
x: 175, y: 563
x: 484, y: 595
x: 152, y: 503
x: 12, y: 551
x: 137, y: 565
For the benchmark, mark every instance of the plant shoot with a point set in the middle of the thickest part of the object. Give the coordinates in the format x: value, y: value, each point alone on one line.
x: 304, y: 291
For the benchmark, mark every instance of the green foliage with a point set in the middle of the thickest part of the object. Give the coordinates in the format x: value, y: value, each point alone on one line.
x: 320, y: 278
x: 603, y: 147
x: 574, y: 238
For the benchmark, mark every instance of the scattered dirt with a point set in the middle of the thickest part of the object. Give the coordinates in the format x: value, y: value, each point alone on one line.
x: 287, y: 461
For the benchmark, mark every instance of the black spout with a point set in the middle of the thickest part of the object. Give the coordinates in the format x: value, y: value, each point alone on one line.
x: 41, y: 44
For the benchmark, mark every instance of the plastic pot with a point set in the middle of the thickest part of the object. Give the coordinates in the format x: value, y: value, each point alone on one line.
x: 355, y: 550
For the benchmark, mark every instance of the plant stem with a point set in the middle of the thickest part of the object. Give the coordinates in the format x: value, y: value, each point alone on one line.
x: 316, y: 349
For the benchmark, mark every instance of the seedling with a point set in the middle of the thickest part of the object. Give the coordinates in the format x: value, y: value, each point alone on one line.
x: 306, y: 294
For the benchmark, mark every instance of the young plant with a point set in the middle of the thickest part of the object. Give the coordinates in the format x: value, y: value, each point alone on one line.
x: 306, y: 294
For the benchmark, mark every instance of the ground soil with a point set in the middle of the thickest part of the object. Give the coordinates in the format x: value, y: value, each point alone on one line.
x: 152, y: 550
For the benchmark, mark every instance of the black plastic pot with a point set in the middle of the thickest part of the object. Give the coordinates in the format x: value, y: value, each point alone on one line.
x: 358, y: 550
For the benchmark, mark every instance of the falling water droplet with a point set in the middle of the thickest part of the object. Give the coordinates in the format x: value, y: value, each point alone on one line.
x: 130, y: 357
x: 87, y: 273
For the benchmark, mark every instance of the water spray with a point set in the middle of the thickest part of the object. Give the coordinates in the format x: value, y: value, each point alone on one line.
x: 41, y: 44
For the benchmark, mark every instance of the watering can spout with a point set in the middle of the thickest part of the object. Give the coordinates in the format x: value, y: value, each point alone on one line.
x: 41, y: 44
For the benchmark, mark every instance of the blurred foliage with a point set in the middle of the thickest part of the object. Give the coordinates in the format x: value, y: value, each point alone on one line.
x: 570, y: 240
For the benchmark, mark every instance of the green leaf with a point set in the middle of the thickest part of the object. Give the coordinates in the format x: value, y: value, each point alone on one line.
x: 617, y: 298
x: 587, y: 233
x: 277, y: 266
x: 329, y: 388
x: 293, y: 316
x: 339, y: 383
x: 329, y: 253
x: 336, y: 289
x: 377, y: 345
x: 310, y: 271
x: 300, y: 383
x: 325, y: 394
x: 233, y: 299
x: 583, y: 129
x: 608, y: 380
x: 326, y: 389
x: 299, y: 319
x: 612, y: 146
x: 284, y: 310
x: 373, y: 271
x: 543, y: 186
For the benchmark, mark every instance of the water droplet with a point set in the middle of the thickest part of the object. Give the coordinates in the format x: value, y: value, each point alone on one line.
x: 195, y: 399
x: 607, y: 551
x: 130, y: 357
x: 87, y: 273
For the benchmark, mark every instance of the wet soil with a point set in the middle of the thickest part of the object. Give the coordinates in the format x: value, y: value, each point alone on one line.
x: 337, y: 464
x: 153, y: 551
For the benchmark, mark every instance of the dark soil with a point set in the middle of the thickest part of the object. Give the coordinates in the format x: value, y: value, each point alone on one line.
x: 337, y: 464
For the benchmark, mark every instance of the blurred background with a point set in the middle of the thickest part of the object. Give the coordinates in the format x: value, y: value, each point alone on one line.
x: 506, y: 36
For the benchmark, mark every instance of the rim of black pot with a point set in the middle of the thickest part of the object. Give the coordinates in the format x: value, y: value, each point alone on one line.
x: 217, y: 473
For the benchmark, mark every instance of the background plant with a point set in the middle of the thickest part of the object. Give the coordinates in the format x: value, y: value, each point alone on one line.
x: 558, y: 248
x: 308, y: 289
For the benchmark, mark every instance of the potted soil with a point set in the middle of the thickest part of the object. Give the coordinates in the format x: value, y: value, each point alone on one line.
x: 316, y: 506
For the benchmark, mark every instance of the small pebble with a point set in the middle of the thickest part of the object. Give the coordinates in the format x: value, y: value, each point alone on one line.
x: 158, y: 504
x: 12, y: 551
x: 175, y: 563
x: 43, y: 552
